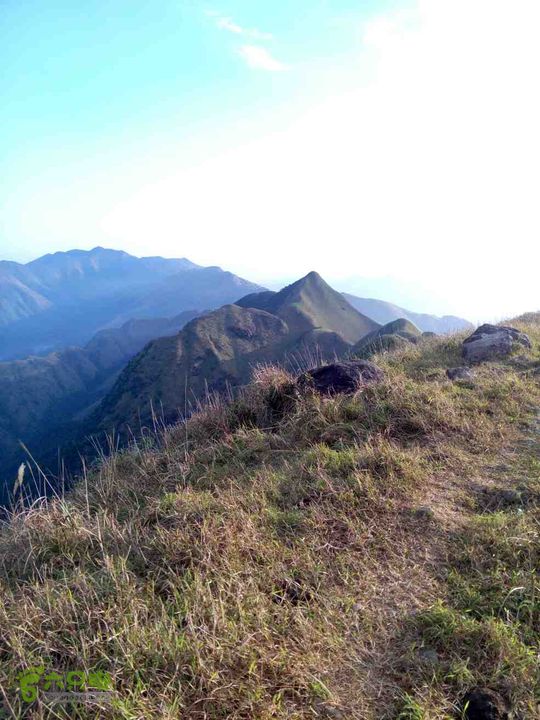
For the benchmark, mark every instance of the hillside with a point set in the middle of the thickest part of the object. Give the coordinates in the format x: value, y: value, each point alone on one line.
x: 219, y: 350
x: 384, y: 312
x: 391, y: 336
x: 65, y: 298
x: 17, y: 300
x: 40, y: 395
x: 371, y: 556
x: 171, y: 374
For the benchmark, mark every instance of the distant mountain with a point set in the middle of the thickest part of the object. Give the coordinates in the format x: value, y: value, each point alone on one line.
x: 65, y: 298
x: 391, y: 336
x: 384, y: 312
x: 17, y: 299
x: 41, y: 396
x: 220, y: 349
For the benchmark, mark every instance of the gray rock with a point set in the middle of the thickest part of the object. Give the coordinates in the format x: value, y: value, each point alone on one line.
x: 489, y: 342
x: 428, y: 656
x: 331, y: 711
x: 340, y: 377
x: 460, y: 373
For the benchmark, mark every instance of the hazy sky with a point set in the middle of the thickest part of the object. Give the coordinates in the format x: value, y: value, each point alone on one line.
x: 360, y: 139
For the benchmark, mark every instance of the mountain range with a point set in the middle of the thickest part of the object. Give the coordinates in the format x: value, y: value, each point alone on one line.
x: 119, y: 380
x: 130, y: 363
x: 307, y: 319
x: 64, y: 298
x: 44, y: 399
x: 384, y: 312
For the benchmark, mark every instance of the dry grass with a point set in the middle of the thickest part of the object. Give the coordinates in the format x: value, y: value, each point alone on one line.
x: 272, y: 557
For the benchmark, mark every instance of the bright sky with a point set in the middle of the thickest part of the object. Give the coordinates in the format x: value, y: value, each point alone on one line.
x: 396, y: 138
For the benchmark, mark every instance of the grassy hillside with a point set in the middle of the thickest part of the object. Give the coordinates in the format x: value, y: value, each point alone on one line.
x: 362, y: 557
x: 171, y: 374
x: 395, y: 334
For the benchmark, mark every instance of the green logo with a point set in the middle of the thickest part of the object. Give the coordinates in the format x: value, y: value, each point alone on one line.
x: 35, y: 679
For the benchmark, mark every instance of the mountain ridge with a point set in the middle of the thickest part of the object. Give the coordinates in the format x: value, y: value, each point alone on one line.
x: 297, y: 302
x: 221, y: 348
x: 384, y: 312
x: 39, y: 395
x: 64, y: 298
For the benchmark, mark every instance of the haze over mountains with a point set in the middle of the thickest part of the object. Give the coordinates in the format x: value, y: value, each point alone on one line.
x: 121, y: 346
x: 65, y: 298
x: 384, y: 312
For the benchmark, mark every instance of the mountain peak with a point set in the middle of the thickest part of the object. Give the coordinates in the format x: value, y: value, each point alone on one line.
x: 311, y: 304
x: 312, y: 279
x: 313, y: 275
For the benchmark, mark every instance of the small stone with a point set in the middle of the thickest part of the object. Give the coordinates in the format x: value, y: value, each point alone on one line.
x: 460, y: 373
x: 428, y: 656
x: 485, y: 704
x: 331, y: 711
x: 424, y: 512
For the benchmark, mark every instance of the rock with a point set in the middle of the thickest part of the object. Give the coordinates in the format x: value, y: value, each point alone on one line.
x: 489, y: 342
x: 485, y: 704
x: 429, y: 334
x: 331, y: 711
x: 341, y: 377
x: 460, y: 373
x: 428, y: 656
x: 424, y: 512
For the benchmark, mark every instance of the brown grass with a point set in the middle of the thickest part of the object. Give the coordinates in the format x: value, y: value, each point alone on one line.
x: 274, y: 557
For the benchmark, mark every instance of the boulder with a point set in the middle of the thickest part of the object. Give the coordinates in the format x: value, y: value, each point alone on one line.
x: 340, y: 377
x: 489, y: 342
x: 459, y: 373
x: 485, y: 704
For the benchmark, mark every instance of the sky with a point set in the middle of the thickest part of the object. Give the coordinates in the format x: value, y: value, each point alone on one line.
x: 392, y: 145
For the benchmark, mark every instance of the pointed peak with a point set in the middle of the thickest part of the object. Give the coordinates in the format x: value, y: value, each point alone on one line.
x: 312, y: 280
x: 312, y: 276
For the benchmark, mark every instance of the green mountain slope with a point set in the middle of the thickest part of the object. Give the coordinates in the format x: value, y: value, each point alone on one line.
x: 393, y: 335
x: 311, y: 303
x: 171, y: 374
x: 41, y: 395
